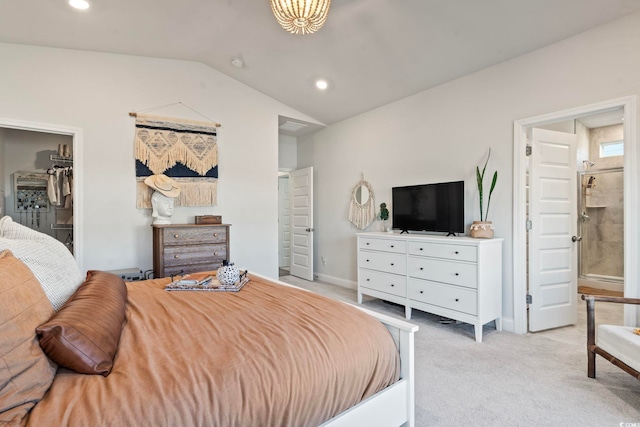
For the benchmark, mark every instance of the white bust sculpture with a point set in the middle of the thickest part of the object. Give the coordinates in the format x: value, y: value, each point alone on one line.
x: 162, y: 208
x: 163, y: 198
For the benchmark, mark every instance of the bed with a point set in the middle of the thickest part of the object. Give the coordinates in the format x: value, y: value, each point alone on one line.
x: 115, y: 353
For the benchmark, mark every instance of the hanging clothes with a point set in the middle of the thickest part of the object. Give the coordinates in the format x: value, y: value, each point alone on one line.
x: 60, y: 187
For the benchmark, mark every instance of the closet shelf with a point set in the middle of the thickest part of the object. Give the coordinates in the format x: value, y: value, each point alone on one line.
x: 62, y: 226
x: 61, y: 159
x: 596, y: 206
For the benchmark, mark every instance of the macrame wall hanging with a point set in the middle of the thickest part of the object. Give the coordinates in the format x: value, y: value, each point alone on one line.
x: 184, y: 150
x: 362, y: 209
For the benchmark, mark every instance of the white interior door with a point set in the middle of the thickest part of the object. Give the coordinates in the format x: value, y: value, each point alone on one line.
x: 301, y: 200
x: 553, y: 273
x: 284, y: 223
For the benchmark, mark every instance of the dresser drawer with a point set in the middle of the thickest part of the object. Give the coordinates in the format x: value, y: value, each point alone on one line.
x: 446, y: 296
x: 380, y: 261
x: 197, y: 254
x: 383, y: 282
x: 194, y: 235
x: 438, y: 270
x: 448, y: 251
x: 387, y: 245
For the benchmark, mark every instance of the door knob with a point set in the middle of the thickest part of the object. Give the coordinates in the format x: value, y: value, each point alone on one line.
x: 576, y: 238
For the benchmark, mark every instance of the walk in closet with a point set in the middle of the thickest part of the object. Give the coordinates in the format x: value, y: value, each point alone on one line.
x: 36, y: 177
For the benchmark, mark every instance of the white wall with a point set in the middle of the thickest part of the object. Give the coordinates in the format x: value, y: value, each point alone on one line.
x: 287, y: 152
x: 582, y: 151
x: 443, y: 133
x: 95, y: 92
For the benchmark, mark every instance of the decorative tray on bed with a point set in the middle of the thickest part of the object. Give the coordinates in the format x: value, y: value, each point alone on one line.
x: 208, y: 283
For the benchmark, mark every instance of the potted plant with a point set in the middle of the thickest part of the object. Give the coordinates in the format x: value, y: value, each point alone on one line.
x: 483, y: 229
x: 384, y: 216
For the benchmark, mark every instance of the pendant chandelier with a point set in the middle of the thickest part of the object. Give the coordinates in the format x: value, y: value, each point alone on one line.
x: 301, y: 16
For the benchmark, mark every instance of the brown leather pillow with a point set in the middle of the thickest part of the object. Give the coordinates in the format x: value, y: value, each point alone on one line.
x: 84, y: 334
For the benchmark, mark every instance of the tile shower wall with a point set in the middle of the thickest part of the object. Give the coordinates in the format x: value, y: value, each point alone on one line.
x: 602, y: 250
x: 603, y: 232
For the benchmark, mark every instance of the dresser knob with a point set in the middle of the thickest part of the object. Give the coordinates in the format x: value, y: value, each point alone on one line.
x: 367, y: 260
x: 420, y: 248
x: 215, y: 253
x: 456, y: 252
x: 368, y: 280
x: 421, y: 268
x: 391, y: 263
x: 367, y: 243
x: 457, y: 274
x: 392, y: 285
x: 422, y: 292
x: 457, y: 299
x: 176, y: 256
x: 392, y: 246
x: 175, y: 236
x: 215, y: 234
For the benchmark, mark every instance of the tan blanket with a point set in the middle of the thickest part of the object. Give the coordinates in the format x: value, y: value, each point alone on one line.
x: 268, y: 355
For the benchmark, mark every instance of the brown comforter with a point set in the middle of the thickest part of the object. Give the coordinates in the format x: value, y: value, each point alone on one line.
x: 268, y: 355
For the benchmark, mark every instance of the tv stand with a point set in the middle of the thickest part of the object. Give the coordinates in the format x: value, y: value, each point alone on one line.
x: 451, y: 233
x: 459, y: 278
x: 404, y: 231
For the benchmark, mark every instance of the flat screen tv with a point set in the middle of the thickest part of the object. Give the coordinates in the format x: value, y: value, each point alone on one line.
x: 435, y: 207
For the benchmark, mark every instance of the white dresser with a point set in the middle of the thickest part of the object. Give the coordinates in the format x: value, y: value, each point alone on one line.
x: 455, y: 277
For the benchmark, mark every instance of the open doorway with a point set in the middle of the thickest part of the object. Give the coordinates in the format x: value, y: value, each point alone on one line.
x: 290, y: 246
x: 284, y: 225
x: 630, y: 180
x: 575, y: 221
x: 42, y: 160
x: 38, y: 182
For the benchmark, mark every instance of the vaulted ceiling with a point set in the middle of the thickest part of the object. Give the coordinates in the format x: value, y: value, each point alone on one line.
x: 371, y: 52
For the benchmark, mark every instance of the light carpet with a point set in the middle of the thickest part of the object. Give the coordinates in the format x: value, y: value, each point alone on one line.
x: 508, y: 380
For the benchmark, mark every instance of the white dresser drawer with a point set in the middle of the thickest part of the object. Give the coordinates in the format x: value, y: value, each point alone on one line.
x: 381, y: 261
x: 387, y: 245
x: 445, y: 250
x: 383, y: 282
x: 438, y: 270
x: 446, y: 296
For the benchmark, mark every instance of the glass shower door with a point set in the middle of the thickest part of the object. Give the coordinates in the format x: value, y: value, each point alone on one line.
x: 601, y: 222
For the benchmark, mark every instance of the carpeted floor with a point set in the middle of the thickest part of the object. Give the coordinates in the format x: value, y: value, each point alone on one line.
x: 508, y: 380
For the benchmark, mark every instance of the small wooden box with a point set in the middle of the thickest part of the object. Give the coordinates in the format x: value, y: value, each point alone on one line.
x: 209, y: 219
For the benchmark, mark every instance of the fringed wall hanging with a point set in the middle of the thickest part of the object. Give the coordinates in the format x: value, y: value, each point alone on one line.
x: 184, y: 150
x: 362, y: 209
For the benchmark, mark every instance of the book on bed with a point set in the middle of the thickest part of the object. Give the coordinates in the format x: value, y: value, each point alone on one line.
x: 208, y: 283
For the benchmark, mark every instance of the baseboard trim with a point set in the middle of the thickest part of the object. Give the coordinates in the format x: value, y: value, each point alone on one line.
x: 508, y: 325
x: 350, y: 284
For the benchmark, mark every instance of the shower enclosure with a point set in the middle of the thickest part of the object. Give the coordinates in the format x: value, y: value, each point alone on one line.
x: 601, y: 216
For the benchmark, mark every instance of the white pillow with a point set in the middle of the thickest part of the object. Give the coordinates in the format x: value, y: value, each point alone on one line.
x: 49, y: 260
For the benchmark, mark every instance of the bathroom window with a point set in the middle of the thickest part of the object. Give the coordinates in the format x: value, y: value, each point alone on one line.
x: 612, y: 148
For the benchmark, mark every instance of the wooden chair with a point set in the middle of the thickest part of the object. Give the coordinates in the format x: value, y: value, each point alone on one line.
x: 621, y: 361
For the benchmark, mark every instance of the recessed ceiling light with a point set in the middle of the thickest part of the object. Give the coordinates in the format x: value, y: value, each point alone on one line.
x: 79, y: 4
x: 322, y: 84
x: 237, y: 62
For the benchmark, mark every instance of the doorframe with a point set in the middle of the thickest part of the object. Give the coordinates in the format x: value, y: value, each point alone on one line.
x: 76, y: 134
x: 631, y: 179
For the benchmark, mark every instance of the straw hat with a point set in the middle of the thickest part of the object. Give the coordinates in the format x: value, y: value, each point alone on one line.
x: 163, y: 184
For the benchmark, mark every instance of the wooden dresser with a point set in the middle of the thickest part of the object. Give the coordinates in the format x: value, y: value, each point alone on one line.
x: 189, y: 247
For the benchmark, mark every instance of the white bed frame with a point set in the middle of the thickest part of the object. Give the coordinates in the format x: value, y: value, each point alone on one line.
x: 395, y: 405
